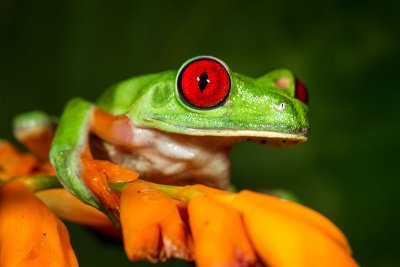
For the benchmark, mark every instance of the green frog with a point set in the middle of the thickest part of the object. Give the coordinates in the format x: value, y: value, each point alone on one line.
x: 173, y: 127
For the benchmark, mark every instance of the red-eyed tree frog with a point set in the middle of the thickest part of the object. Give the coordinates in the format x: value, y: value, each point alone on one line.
x: 173, y: 127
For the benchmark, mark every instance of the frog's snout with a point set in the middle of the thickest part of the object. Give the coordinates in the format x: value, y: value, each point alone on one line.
x: 305, y: 131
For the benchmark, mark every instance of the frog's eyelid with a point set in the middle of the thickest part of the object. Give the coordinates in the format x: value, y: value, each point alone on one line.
x: 283, y: 83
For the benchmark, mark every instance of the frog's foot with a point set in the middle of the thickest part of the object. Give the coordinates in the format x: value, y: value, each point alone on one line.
x: 97, y: 174
x: 36, y: 131
x: 13, y: 163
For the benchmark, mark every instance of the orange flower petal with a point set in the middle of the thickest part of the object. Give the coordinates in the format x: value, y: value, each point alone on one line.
x: 219, y: 235
x: 66, y: 206
x: 152, y: 226
x: 30, y: 235
x: 288, y: 234
x: 69, y: 208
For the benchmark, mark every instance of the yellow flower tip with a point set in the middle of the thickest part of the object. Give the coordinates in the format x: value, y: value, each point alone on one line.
x: 68, y: 207
x: 219, y: 234
x: 152, y: 225
x: 288, y: 234
x: 30, y: 235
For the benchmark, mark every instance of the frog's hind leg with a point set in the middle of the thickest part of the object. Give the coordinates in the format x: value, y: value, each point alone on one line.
x: 36, y: 131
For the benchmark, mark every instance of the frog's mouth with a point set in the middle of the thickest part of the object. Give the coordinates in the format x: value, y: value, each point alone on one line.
x: 263, y: 137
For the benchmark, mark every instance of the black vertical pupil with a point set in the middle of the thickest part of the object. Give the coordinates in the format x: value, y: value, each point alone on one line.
x: 203, y: 81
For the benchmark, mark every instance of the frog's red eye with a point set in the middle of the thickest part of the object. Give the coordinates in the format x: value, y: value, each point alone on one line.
x: 301, y: 91
x: 203, y: 83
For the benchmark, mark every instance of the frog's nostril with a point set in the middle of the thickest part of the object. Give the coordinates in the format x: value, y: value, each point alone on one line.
x: 281, y: 106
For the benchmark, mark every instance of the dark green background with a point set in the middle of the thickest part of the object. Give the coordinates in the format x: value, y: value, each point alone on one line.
x: 346, y: 52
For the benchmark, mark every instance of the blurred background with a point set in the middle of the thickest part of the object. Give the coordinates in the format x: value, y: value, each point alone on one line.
x: 346, y: 52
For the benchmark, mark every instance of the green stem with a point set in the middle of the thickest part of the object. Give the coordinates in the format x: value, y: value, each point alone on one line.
x: 118, y: 187
x: 39, y: 183
x: 181, y: 193
x: 170, y: 190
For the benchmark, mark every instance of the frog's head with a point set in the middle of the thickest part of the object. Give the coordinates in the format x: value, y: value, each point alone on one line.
x: 205, y: 98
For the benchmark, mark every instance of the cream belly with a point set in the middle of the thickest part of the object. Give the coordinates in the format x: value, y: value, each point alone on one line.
x: 174, y: 158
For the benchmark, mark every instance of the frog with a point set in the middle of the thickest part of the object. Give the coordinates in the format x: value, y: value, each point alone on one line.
x: 174, y: 127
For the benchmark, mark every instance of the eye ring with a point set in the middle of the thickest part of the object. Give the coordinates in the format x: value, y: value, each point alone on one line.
x: 203, y: 83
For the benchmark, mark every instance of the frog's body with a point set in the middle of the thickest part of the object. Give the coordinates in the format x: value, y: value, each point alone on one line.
x: 174, y: 127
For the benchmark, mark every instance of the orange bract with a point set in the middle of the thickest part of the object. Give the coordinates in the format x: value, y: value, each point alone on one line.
x: 30, y: 235
x: 288, y: 234
x: 68, y: 207
x: 152, y: 226
x: 219, y: 234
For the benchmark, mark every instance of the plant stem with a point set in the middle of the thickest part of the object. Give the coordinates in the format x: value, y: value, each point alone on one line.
x: 181, y: 193
x: 38, y: 183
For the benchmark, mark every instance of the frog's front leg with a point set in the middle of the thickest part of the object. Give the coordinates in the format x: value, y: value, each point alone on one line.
x: 70, y: 154
x: 36, y: 131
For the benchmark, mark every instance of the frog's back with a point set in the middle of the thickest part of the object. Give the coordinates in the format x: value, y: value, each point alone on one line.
x: 119, y: 98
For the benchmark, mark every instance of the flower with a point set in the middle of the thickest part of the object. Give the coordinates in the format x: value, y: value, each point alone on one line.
x: 33, y: 172
x: 194, y: 222
x: 30, y: 234
x: 69, y: 208
x: 288, y: 234
x: 234, y: 229
x: 219, y: 234
x: 152, y: 225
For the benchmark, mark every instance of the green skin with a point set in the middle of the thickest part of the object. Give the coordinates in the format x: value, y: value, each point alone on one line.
x: 255, y: 108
